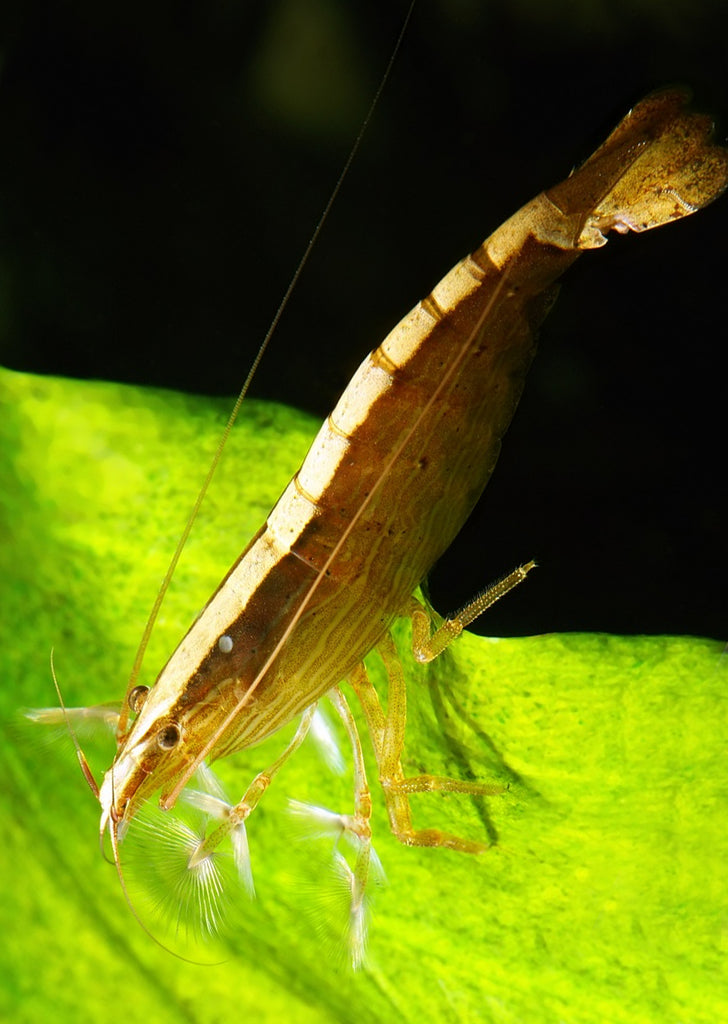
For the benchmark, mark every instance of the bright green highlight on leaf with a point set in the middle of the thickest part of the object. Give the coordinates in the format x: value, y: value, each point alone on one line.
x: 603, y: 899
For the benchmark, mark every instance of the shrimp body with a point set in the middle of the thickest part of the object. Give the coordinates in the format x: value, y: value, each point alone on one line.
x: 389, y: 481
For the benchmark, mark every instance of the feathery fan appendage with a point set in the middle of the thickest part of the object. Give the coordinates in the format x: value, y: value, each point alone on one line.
x: 188, y: 867
x: 341, y: 898
x: 324, y: 738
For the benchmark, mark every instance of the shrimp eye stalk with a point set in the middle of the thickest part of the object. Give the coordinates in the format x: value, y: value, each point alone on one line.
x: 137, y: 698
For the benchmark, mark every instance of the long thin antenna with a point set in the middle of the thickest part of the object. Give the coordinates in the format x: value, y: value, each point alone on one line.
x: 87, y: 773
x: 141, y: 650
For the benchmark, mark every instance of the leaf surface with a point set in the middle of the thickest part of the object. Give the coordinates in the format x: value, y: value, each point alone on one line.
x: 603, y: 897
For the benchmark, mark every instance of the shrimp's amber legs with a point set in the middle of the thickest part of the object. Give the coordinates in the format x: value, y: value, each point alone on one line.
x: 233, y: 817
x: 387, y: 732
x: 361, y: 828
x: 356, y: 828
x: 426, y: 647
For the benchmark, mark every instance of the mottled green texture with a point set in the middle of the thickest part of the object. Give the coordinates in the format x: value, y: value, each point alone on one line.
x: 604, y: 898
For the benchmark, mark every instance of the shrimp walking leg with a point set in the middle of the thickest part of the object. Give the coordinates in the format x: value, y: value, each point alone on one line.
x: 361, y: 828
x: 232, y: 817
x: 387, y: 732
x: 356, y: 829
x: 426, y: 648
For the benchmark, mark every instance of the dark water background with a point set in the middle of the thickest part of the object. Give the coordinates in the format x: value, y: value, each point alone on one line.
x: 163, y: 166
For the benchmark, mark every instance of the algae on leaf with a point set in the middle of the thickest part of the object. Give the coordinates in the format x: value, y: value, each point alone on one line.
x: 603, y: 898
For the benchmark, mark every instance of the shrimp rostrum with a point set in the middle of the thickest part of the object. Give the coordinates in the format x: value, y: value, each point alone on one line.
x: 387, y: 484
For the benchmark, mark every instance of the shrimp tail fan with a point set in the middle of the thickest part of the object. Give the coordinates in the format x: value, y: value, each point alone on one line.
x: 658, y: 165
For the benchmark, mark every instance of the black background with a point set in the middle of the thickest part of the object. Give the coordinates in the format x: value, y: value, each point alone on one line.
x: 164, y: 164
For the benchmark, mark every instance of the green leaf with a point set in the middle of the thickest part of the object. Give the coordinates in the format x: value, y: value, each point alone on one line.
x: 603, y: 897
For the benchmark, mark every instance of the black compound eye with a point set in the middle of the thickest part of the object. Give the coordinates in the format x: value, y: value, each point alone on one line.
x: 168, y: 737
x: 137, y: 697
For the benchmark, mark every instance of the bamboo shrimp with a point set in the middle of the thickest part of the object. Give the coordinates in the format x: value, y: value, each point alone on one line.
x: 387, y: 484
